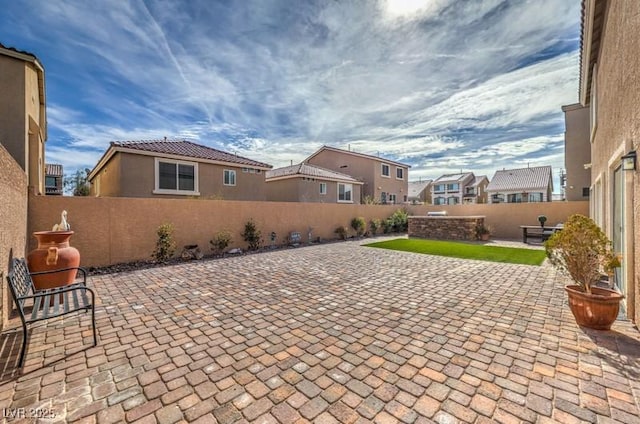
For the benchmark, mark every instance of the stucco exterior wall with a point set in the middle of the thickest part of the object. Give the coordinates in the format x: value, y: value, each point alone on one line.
x: 131, y: 175
x: 301, y: 190
x: 618, y: 132
x: 111, y: 230
x: 13, y: 222
x: 577, y: 151
x: 13, y: 122
x: 367, y: 170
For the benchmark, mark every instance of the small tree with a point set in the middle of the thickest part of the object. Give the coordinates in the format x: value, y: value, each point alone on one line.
x: 359, y: 225
x: 77, y: 183
x: 220, y: 241
x: 400, y: 220
x: 165, y: 245
x: 581, y: 250
x: 252, y: 235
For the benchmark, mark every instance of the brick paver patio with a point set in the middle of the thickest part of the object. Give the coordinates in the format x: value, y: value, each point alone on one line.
x: 330, y: 333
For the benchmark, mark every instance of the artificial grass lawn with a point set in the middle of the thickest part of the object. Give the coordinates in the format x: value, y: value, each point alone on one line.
x: 465, y: 250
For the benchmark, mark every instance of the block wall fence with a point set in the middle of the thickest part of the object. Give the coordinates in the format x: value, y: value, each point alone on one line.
x: 115, y: 230
x: 13, y: 221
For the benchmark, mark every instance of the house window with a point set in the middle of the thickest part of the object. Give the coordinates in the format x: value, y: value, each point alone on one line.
x: 439, y: 201
x: 323, y: 188
x: 386, y: 170
x: 392, y: 199
x: 383, y: 197
x: 453, y: 200
x: 344, y: 193
x: 535, y: 197
x: 50, y: 182
x: 497, y: 198
x: 229, y: 177
x: 438, y: 188
x: 470, y: 190
x: 585, y: 191
x: 514, y: 198
x: 453, y: 187
x: 399, y: 173
x: 174, y: 177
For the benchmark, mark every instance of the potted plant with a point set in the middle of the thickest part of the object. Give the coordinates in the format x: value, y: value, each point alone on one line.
x: 483, y: 232
x: 584, y: 252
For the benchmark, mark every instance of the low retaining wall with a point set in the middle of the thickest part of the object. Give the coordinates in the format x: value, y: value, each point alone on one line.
x: 445, y: 227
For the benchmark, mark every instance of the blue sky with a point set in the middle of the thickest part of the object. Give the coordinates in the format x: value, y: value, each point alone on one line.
x: 442, y: 85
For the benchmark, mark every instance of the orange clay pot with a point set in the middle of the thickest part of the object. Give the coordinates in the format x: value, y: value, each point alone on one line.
x: 53, y: 252
x: 597, y: 310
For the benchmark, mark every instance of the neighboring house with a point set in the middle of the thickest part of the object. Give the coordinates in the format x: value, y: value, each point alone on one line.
x: 309, y: 183
x: 610, y: 88
x: 577, y: 153
x: 53, y: 176
x: 419, y: 192
x: 476, y: 191
x: 532, y: 184
x: 384, y: 180
x: 23, y: 118
x: 176, y: 168
x: 449, y: 189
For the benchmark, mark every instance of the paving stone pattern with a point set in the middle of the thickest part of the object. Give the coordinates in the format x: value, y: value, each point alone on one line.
x: 334, y: 333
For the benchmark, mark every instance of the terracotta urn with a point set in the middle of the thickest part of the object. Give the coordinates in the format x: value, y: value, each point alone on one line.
x: 597, y: 310
x: 53, y: 252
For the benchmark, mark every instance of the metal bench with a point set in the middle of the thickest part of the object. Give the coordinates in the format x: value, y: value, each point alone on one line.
x: 39, y: 305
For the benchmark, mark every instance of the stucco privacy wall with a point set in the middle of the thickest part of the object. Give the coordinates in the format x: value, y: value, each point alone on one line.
x: 114, y: 230
x: 13, y: 219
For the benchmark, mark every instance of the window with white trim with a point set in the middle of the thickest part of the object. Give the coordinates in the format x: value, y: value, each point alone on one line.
x: 386, y: 170
x: 399, y: 173
x: 176, y: 177
x: 229, y: 178
x: 323, y: 188
x: 345, y: 193
x: 392, y: 199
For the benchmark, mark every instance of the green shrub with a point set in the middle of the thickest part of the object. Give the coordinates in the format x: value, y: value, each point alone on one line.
x: 359, y: 225
x: 252, y: 235
x: 581, y: 250
x: 220, y: 241
x: 400, y: 220
x: 387, y: 226
x: 342, y: 232
x: 370, y: 200
x: 374, y: 226
x: 165, y: 245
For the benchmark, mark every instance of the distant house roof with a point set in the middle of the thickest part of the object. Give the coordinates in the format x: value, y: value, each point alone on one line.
x: 363, y: 155
x: 524, y: 179
x: 307, y: 170
x: 177, y: 149
x: 417, y: 187
x: 53, y: 170
x: 453, y: 177
x: 478, y: 179
x: 18, y: 54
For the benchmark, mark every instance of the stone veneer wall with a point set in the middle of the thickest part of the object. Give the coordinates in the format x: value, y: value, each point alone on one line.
x: 445, y: 227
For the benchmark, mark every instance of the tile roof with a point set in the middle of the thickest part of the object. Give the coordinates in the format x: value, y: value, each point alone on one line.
x: 307, y: 170
x: 188, y: 149
x: 454, y: 177
x: 14, y: 50
x: 526, y: 179
x: 478, y: 179
x: 53, y: 169
x: 416, y: 187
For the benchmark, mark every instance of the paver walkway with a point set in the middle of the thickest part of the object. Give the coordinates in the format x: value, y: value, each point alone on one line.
x: 331, y: 333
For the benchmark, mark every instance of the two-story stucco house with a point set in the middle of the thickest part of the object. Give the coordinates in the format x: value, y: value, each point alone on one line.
x: 451, y: 189
x: 176, y: 168
x: 23, y: 116
x: 384, y: 180
x: 310, y: 183
x: 532, y: 184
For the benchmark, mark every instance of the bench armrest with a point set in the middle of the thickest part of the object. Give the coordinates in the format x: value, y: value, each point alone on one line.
x: 82, y: 271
